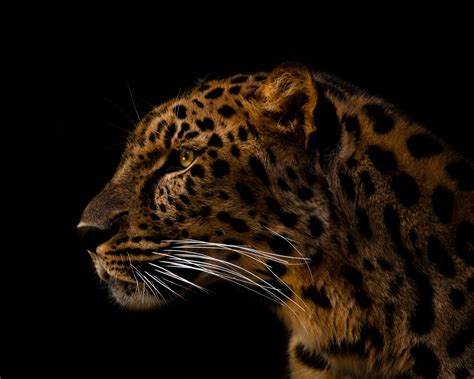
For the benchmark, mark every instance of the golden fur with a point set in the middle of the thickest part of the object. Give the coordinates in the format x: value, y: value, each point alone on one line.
x: 382, y: 221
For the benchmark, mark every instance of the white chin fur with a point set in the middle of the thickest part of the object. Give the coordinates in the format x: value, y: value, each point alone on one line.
x: 138, y: 300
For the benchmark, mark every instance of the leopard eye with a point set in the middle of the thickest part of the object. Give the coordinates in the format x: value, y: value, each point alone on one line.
x: 186, y: 157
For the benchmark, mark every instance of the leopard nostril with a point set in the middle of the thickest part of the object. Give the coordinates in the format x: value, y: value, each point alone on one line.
x: 91, y: 236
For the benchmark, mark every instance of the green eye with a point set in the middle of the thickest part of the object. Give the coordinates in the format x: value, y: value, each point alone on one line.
x: 186, y: 157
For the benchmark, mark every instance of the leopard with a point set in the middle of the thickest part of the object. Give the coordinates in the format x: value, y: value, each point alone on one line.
x: 352, y: 221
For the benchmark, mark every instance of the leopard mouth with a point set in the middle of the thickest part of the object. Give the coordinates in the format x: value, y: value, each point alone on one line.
x: 145, y: 284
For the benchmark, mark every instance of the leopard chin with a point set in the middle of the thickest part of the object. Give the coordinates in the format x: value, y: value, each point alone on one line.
x: 134, y: 297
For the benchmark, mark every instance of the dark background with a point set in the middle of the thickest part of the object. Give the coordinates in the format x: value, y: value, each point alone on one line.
x: 89, y: 78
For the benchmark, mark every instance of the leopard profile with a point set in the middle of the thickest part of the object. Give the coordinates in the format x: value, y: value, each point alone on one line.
x: 354, y: 221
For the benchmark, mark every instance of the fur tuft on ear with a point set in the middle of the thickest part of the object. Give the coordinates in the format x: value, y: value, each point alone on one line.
x: 289, y: 91
x: 287, y: 99
x: 291, y: 102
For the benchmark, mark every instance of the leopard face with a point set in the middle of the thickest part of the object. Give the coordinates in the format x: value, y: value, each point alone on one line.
x: 202, y: 194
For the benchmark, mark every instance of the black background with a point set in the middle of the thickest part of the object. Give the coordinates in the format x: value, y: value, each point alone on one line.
x: 90, y: 77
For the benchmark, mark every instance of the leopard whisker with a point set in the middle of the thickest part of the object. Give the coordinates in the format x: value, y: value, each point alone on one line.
x: 160, y: 282
x: 267, y: 293
x: 270, y: 270
x: 203, y: 256
x: 173, y: 283
x: 305, y: 259
x: 253, y: 274
x: 249, y: 255
x: 290, y: 242
x: 290, y: 289
x: 238, y: 247
x: 228, y: 278
x: 144, y: 286
x: 210, y: 266
x: 162, y: 270
x: 122, y: 111
x: 133, y: 102
x: 266, y: 265
x: 151, y: 286
x: 133, y: 273
x: 192, y: 254
x: 137, y: 290
x: 221, y: 269
x: 146, y: 282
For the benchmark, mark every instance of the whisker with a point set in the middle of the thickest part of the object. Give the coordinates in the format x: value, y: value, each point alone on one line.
x: 210, y: 266
x: 181, y: 254
x: 148, y: 283
x: 119, y: 109
x: 133, y: 273
x: 294, y: 247
x: 290, y: 289
x: 133, y: 102
x: 233, y: 249
x: 173, y: 283
x: 264, y: 290
x: 144, y: 286
x: 163, y: 284
x: 164, y: 271
x: 145, y: 101
x: 224, y: 248
x: 238, y: 247
x: 272, y: 296
x: 126, y: 131
x: 203, y: 256
x: 305, y: 262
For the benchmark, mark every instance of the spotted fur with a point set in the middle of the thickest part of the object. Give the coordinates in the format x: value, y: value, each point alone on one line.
x: 294, y: 162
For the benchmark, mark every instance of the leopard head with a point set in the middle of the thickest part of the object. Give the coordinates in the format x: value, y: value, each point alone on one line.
x: 216, y: 185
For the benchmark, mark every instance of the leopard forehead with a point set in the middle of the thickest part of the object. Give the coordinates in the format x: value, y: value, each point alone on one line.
x: 210, y: 110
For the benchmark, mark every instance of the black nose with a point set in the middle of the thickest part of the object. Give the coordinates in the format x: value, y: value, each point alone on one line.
x: 91, y: 236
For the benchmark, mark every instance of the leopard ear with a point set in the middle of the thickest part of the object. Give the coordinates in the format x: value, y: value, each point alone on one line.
x: 288, y: 98
x: 294, y: 103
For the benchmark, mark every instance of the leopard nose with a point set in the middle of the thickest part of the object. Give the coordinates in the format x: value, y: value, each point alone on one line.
x: 92, y: 236
x: 100, y: 221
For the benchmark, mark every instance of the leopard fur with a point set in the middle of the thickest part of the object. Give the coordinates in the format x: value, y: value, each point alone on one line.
x: 297, y: 164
